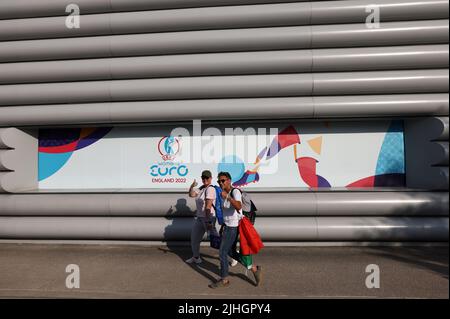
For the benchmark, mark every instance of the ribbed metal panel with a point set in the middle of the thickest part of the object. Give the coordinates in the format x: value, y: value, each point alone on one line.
x: 143, y: 61
x: 259, y: 62
x: 13, y: 9
x: 255, y: 108
x: 244, y: 16
x: 252, y: 39
x: 18, y: 160
x: 293, y: 204
x: 303, y: 84
x: 270, y: 229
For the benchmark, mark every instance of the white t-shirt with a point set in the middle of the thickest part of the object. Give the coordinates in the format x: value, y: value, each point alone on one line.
x: 231, y: 216
x: 200, y: 201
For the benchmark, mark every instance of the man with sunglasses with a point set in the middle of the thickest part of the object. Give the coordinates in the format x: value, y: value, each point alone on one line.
x: 232, y: 214
x: 205, y: 219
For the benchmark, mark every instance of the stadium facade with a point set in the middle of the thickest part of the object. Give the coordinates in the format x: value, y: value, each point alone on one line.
x: 336, y: 113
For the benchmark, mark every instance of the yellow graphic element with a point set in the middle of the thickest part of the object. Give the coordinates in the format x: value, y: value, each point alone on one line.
x: 316, y: 144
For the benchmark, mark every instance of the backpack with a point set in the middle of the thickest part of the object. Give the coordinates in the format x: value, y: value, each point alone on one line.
x: 218, y: 204
x: 248, y: 207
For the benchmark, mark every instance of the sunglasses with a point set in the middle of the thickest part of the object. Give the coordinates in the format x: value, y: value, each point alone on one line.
x: 221, y: 181
x: 205, y: 177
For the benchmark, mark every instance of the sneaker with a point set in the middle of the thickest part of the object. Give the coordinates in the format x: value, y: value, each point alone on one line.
x: 219, y: 284
x: 197, y: 260
x: 258, y: 275
x: 233, y: 262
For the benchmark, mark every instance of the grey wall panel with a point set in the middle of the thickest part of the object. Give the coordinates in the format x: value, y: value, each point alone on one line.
x: 381, y: 105
x: 18, y: 160
x: 158, y: 89
x: 264, y: 62
x: 6, y: 161
x: 438, y: 154
x: 258, y: 108
x: 243, y: 16
x: 395, y: 33
x: 260, y: 62
x: 134, y: 228
x: 391, y: 10
x: 377, y: 228
x: 415, y: 81
x: 270, y: 229
x: 160, y: 21
x: 431, y: 177
x: 157, y: 43
x: 13, y: 9
x: 157, y: 111
x: 249, y: 59
x: 176, y: 204
x: 383, y: 82
x: 430, y: 128
x: 380, y: 58
x: 440, y: 128
x: 253, y: 39
x: 424, y: 149
x: 384, y: 204
x: 7, y: 138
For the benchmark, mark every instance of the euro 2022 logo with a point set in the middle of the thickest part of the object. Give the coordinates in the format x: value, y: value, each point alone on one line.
x: 168, y: 171
x: 168, y: 147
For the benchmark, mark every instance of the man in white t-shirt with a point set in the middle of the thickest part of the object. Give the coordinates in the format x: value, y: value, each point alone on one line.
x: 232, y: 214
x: 205, y: 218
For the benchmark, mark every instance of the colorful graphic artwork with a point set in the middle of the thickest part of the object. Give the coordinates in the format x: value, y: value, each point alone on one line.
x: 390, y: 170
x: 359, y: 154
x: 57, y: 146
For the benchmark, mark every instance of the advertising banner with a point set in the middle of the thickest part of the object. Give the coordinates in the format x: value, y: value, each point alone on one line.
x: 263, y: 155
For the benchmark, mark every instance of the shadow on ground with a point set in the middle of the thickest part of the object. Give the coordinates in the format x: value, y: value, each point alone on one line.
x: 209, y: 268
x: 435, y: 259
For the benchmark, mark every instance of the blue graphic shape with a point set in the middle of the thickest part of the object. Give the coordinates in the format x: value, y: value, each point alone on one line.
x: 168, y: 145
x: 50, y: 163
x: 391, y: 159
x: 233, y: 165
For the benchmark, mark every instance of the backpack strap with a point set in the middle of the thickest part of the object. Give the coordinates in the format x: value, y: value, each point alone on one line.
x: 231, y: 192
x: 231, y: 195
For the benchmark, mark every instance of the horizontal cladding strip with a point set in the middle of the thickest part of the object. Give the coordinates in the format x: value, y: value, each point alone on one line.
x: 442, y: 129
x: 4, y: 163
x: 13, y: 9
x: 9, y: 138
x: 236, y: 63
x: 227, y: 109
x: 287, y: 204
x: 230, y: 17
x: 278, y: 85
x: 253, y: 39
x: 270, y: 229
x: 439, y: 154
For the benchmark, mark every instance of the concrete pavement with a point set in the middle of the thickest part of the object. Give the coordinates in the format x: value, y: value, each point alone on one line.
x: 131, y: 271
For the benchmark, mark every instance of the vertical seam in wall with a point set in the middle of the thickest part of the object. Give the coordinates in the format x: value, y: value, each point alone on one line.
x: 312, y: 60
x: 110, y: 6
x: 311, y: 42
x: 110, y: 112
x: 313, y: 99
x: 109, y: 205
x: 109, y: 65
x: 109, y: 228
x: 310, y: 13
x: 316, y: 214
